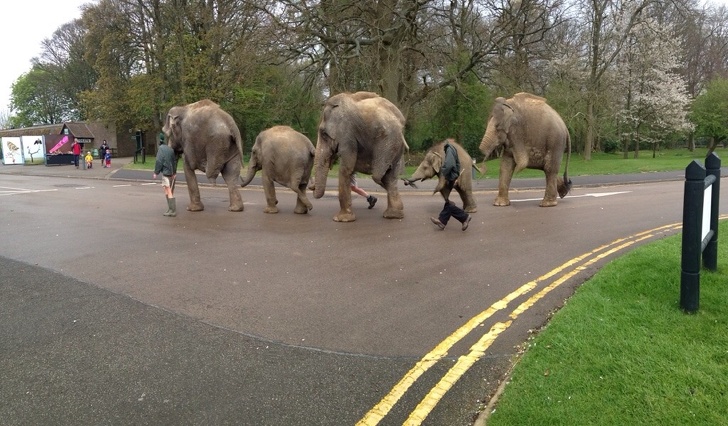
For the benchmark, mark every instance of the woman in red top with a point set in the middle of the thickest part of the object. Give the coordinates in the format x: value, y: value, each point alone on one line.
x: 76, y: 147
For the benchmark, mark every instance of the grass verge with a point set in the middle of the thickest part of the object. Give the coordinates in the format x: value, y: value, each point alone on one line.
x: 600, y: 164
x: 621, y: 352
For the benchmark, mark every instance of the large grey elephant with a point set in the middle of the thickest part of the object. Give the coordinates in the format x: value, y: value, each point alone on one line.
x: 286, y: 157
x: 364, y: 131
x: 431, y: 165
x: 533, y: 136
x: 210, y: 141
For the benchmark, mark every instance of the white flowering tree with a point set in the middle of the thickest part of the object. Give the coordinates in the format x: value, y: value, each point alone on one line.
x: 655, y: 100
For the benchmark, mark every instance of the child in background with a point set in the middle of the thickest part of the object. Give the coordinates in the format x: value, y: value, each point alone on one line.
x: 89, y: 160
x: 107, y: 157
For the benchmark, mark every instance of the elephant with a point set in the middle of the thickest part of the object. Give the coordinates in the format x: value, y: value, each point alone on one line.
x: 210, y: 141
x: 533, y: 136
x: 365, y: 132
x: 430, y: 166
x: 286, y: 157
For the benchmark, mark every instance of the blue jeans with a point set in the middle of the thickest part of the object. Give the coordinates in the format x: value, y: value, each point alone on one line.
x: 451, y: 210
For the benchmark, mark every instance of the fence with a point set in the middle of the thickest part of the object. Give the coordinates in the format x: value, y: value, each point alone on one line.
x: 700, y: 227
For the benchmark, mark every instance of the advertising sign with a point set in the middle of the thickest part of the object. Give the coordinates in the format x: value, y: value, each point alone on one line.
x: 12, y: 150
x: 33, y: 152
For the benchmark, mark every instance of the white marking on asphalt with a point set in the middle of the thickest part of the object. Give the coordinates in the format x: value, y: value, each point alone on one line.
x: 25, y: 191
x: 595, y: 195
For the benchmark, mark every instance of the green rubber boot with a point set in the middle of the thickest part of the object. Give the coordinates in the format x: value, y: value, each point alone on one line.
x: 172, y: 203
x: 169, y: 208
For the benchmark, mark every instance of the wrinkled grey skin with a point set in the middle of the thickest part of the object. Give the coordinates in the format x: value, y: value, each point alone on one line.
x: 365, y: 132
x: 286, y: 157
x: 534, y: 136
x: 431, y: 165
x: 211, y: 143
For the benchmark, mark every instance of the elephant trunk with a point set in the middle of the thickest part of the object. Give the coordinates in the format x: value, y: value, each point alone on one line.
x: 420, y: 174
x: 252, y: 170
x: 322, y: 170
x: 490, y: 139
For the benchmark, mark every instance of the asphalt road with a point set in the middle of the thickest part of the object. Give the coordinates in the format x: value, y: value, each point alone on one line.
x: 114, y: 314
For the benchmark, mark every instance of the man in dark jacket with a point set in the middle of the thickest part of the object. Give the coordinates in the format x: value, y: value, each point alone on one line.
x: 451, y: 171
x: 166, y: 165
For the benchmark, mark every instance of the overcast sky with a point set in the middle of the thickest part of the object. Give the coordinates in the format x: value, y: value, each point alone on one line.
x: 26, y: 23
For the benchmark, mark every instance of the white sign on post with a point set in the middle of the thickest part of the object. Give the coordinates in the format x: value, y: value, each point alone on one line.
x: 707, y: 199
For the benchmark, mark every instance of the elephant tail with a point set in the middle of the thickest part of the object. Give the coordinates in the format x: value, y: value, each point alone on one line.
x: 564, y: 186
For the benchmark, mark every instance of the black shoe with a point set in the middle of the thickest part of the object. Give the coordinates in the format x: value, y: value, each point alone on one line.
x: 372, y: 201
x: 466, y: 222
x: 437, y: 222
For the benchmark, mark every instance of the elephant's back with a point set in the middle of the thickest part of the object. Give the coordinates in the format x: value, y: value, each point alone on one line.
x: 285, y: 137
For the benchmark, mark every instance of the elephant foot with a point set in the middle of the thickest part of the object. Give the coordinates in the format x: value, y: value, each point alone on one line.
x: 271, y: 210
x: 502, y: 202
x: 302, y: 209
x: 393, y: 214
x: 192, y: 207
x: 548, y: 203
x: 471, y: 209
x: 235, y: 208
x: 345, y: 217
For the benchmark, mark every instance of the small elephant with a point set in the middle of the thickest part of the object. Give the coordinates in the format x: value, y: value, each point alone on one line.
x: 431, y: 165
x: 533, y: 136
x: 365, y: 131
x: 210, y: 141
x: 286, y: 157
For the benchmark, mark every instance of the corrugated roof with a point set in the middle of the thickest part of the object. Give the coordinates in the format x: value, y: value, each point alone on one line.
x: 48, y: 129
x: 79, y: 129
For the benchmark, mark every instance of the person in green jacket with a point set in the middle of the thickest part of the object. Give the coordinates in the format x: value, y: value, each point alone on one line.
x: 166, y: 165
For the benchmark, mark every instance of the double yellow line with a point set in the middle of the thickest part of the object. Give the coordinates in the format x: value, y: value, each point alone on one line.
x: 560, y: 275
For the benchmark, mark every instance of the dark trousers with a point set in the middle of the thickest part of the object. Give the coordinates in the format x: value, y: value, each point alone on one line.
x: 75, y: 160
x: 450, y: 209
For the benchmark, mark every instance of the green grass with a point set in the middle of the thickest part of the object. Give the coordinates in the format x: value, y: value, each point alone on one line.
x: 600, y: 164
x: 621, y: 352
x: 615, y: 164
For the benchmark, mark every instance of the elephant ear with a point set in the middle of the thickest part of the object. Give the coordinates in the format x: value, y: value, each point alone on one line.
x: 504, y: 115
x: 436, y: 162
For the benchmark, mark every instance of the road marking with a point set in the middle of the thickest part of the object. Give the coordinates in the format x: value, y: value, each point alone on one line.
x: 121, y: 186
x: 477, y: 351
x: 595, y: 195
x: 14, y: 191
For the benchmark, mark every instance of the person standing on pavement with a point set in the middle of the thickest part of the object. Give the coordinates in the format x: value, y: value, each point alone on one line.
x: 76, y: 148
x: 102, y: 152
x: 166, y: 165
x: 89, y: 160
x: 451, y: 171
x: 372, y: 200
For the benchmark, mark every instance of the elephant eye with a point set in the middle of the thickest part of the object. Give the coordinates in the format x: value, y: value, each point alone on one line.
x: 325, y: 135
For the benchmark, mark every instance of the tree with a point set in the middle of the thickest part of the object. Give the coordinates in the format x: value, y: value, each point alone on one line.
x: 710, y: 113
x: 37, y: 99
x: 64, y: 55
x: 655, y: 96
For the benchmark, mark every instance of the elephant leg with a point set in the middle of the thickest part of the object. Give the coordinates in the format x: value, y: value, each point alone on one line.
x: 549, y: 199
x: 395, y: 207
x: 303, y: 205
x: 231, y: 176
x: 468, y: 200
x: 269, y: 189
x: 193, y: 189
x: 507, y: 166
x: 345, y: 214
